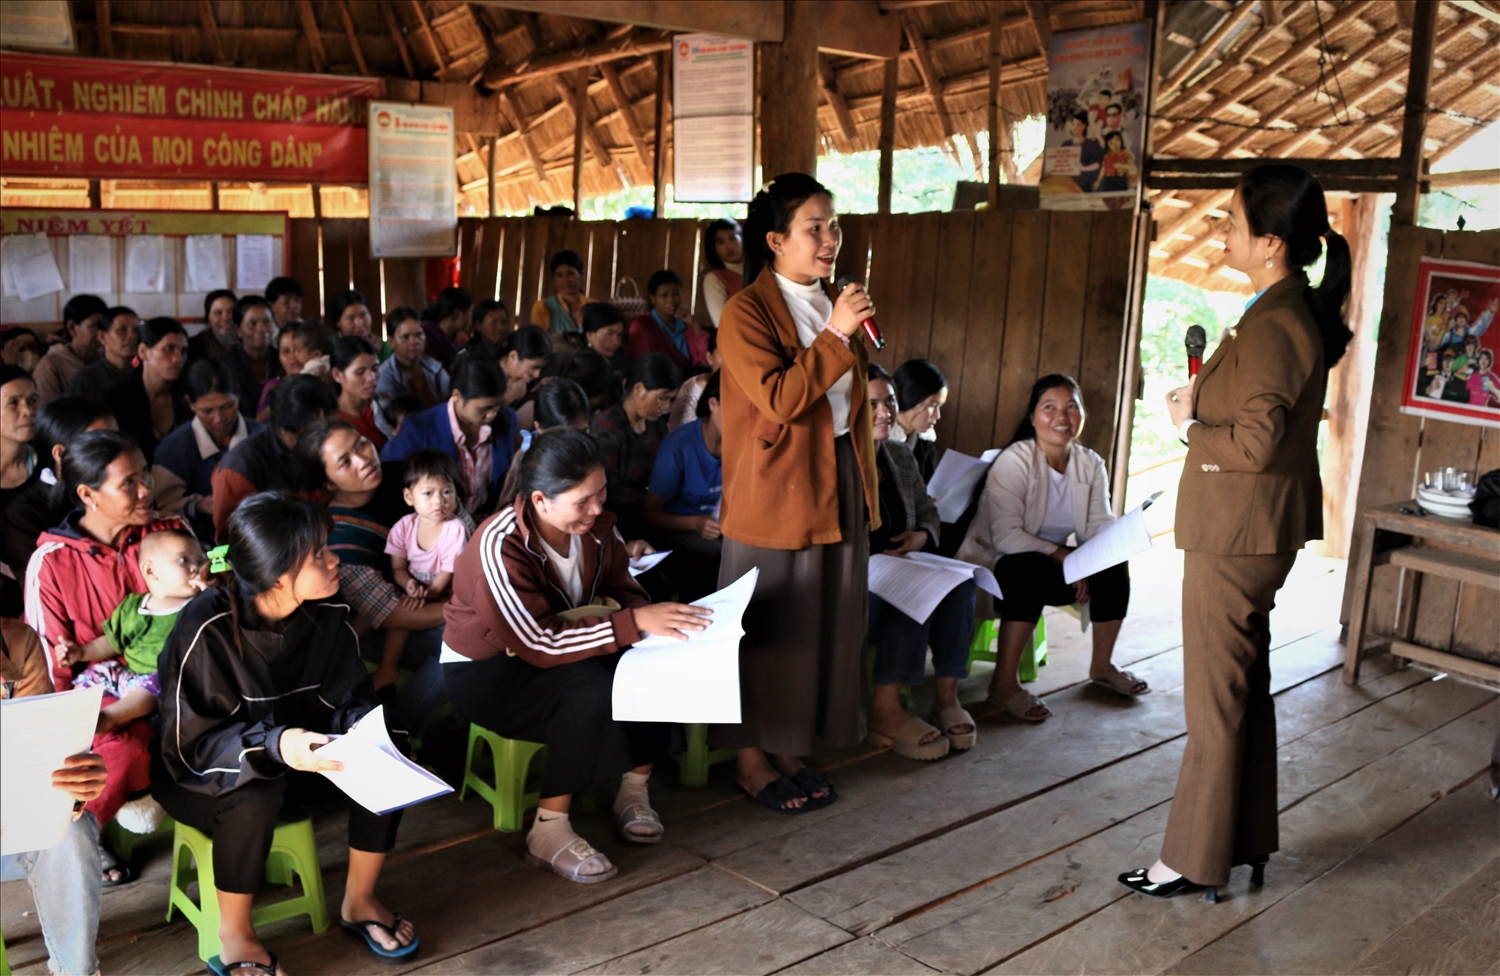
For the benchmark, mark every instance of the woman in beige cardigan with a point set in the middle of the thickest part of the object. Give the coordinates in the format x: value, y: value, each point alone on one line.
x: 1250, y: 498
x: 1043, y: 490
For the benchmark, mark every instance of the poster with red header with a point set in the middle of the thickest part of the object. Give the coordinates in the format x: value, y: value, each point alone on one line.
x: 1450, y: 362
x: 79, y: 117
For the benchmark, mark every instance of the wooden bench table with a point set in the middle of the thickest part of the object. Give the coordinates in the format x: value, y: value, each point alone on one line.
x: 1389, y: 536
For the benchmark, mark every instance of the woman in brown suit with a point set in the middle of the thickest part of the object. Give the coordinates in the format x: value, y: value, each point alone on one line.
x: 1250, y: 498
x: 799, y: 487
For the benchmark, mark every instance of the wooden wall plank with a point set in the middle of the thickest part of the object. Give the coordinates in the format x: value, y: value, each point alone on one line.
x: 470, y: 230
x: 979, y: 371
x: 1024, y: 307
x: 404, y: 283
x: 1476, y: 632
x: 892, y: 241
x: 1100, y: 367
x: 513, y: 248
x: 1392, y: 437
x: 304, y: 256
x: 682, y: 257
x: 366, y: 273
x: 641, y: 248
x: 338, y: 270
x: 603, y: 242
x: 855, y: 252
x: 1067, y: 289
x: 487, y: 261
x: 535, y: 281
x: 951, y: 315
x: 922, y: 267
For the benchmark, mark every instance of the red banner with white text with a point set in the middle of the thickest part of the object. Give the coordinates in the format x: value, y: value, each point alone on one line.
x: 76, y: 117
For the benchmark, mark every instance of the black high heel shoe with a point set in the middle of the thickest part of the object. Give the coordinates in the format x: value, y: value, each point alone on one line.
x: 1137, y: 881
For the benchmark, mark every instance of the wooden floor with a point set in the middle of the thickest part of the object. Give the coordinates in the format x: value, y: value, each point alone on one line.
x: 999, y: 860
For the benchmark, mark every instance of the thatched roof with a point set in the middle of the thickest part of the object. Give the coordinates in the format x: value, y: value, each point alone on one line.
x: 1243, y: 80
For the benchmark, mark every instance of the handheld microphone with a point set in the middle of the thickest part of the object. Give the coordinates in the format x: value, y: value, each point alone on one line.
x: 1195, y: 341
x: 872, y: 331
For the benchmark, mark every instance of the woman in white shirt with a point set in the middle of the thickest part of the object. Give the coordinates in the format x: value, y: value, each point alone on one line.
x: 1044, y: 489
x: 724, y: 253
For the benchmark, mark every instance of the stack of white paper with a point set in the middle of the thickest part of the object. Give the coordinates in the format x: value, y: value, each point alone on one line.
x: 37, y: 734
x: 954, y: 480
x: 1123, y: 538
x: 648, y: 561
x: 375, y: 774
x: 253, y: 267
x: 664, y: 679
x: 917, y: 582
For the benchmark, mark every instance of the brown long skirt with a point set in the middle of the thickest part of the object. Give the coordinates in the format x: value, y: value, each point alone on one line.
x: 800, y: 659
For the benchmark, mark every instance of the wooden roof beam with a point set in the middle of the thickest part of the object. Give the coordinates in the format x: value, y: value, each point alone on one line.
x: 523, y: 132
x: 1258, y: 80
x: 590, y: 134
x: 1041, y: 24
x: 1193, y: 245
x: 626, y: 108
x: 102, y: 25
x: 1194, y: 214
x: 930, y: 78
x: 211, y: 28
x: 830, y: 85
x: 313, y: 35
x: 393, y: 24
x: 433, y: 43
x: 359, y: 54
x: 497, y: 74
x: 1209, y: 45
x: 1233, y: 58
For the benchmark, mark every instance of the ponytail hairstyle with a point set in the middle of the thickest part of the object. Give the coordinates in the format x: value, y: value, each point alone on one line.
x: 87, y: 461
x: 209, y: 376
x: 1287, y: 202
x: 772, y: 211
x: 561, y: 403
x: 1025, y: 430
x: 63, y: 420
x: 270, y: 534
x: 528, y: 342
x: 558, y: 460
x: 915, y: 380
x: 653, y: 371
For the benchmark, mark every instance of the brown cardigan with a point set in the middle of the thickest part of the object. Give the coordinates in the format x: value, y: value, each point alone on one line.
x: 1250, y: 485
x: 780, y: 476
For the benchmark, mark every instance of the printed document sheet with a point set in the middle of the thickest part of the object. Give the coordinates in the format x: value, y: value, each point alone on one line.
x: 954, y: 480
x: 37, y: 734
x: 1123, y: 538
x: 664, y: 679
x: 376, y: 775
x: 917, y: 582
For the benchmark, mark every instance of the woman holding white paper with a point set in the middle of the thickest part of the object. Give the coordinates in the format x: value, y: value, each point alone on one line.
x: 1043, y: 489
x: 543, y: 602
x: 257, y: 674
x: 909, y: 523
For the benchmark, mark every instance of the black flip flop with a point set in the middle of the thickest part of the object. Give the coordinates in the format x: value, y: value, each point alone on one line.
x: 812, y: 782
x: 361, y: 929
x: 218, y: 967
x: 777, y: 792
x: 126, y: 876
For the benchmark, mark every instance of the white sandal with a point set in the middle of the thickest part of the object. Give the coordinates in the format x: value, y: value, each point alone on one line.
x: 957, y: 715
x: 570, y: 861
x: 1124, y: 683
x: 639, y: 824
x: 908, y: 741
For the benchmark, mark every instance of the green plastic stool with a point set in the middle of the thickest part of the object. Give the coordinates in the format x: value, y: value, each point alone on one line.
x: 986, y: 640
x: 123, y: 841
x: 4, y: 962
x: 294, y: 850
x: 693, y: 764
x: 512, y: 762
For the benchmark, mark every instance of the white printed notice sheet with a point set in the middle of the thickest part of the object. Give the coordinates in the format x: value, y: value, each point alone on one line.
x: 37, y: 734
x: 1125, y: 537
x: 665, y: 679
x: 413, y: 185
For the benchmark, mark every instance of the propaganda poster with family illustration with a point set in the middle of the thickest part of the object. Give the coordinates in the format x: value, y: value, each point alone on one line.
x: 1450, y: 369
x: 1096, y: 118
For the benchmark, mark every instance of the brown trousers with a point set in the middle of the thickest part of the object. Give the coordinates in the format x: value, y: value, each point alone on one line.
x: 1224, y: 811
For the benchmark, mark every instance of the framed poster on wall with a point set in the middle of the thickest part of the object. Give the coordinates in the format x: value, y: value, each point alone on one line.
x: 413, y: 185
x: 1450, y: 364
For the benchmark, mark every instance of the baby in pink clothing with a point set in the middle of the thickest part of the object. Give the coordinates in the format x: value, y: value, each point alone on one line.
x: 423, y: 545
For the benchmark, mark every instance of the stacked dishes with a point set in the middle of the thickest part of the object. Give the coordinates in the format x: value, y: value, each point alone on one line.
x: 1449, y: 504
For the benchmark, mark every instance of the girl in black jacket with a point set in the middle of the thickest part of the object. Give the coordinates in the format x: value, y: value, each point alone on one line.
x: 256, y: 675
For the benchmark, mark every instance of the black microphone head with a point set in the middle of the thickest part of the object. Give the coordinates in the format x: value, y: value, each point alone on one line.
x: 844, y: 282
x: 1195, y: 341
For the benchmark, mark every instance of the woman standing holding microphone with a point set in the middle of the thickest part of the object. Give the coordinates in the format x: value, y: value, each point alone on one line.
x: 1250, y: 498
x: 799, y: 490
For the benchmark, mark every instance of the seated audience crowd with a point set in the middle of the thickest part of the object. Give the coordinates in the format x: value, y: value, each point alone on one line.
x: 252, y: 535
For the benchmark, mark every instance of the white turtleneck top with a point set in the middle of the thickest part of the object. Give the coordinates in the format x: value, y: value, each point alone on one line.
x: 811, y: 309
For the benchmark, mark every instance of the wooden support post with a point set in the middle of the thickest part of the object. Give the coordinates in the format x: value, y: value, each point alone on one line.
x: 494, y: 151
x: 830, y: 83
x: 888, y: 132
x: 659, y: 174
x: 1414, y: 128
x: 314, y: 38
x: 96, y: 195
x: 213, y: 196
x: 101, y: 23
x: 211, y: 28
x: 591, y: 135
x: 997, y: 16
x: 394, y: 26
x: 580, y: 122
x: 789, y: 94
x: 359, y: 54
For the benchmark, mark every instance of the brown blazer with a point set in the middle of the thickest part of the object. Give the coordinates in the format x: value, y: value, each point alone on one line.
x: 780, y: 476
x: 1250, y: 485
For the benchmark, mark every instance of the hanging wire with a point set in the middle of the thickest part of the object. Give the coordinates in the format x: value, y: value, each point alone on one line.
x: 1393, y: 114
x: 1325, y: 67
